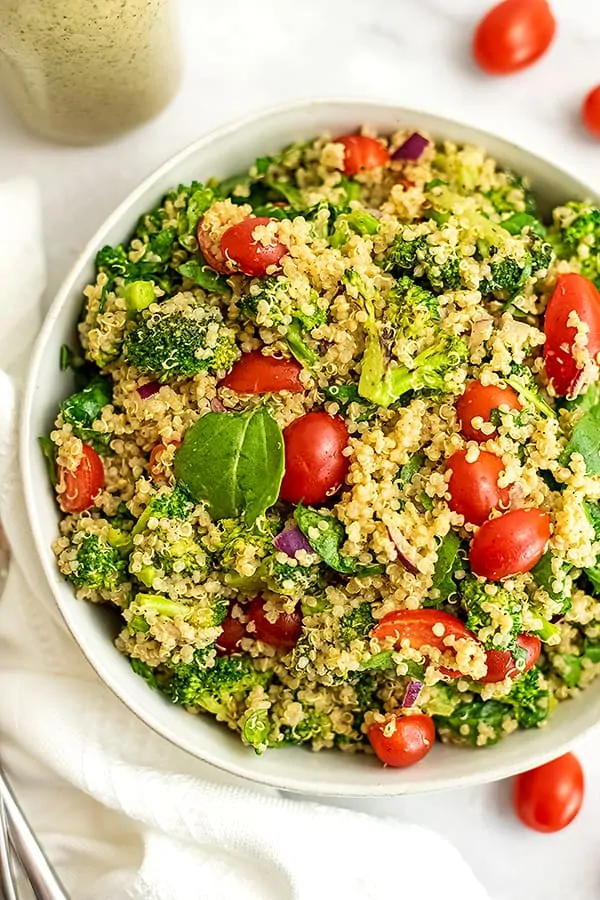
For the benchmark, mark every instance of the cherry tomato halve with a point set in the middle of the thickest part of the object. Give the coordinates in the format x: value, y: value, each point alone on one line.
x: 513, y: 35
x: 231, y: 635
x: 501, y: 663
x: 211, y: 250
x: 283, y: 633
x: 362, y: 153
x: 246, y: 254
x: 82, y: 486
x: 510, y: 544
x: 473, y: 486
x: 590, y: 111
x: 254, y: 373
x: 402, y: 740
x: 549, y: 798
x: 573, y: 294
x: 478, y: 401
x: 315, y: 465
x: 417, y: 627
x: 155, y: 469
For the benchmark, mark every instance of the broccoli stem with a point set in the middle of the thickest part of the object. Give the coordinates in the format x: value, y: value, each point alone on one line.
x: 162, y: 605
x: 531, y: 397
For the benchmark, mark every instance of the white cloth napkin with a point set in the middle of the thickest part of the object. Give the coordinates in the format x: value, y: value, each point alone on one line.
x: 121, y: 812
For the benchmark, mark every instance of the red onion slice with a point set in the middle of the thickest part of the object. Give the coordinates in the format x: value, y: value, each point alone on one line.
x: 290, y: 540
x: 406, y: 554
x: 216, y: 405
x: 148, y: 389
x: 412, y: 148
x: 413, y: 689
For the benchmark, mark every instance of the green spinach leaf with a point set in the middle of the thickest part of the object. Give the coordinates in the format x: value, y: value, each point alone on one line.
x: 327, y: 541
x: 233, y: 462
x: 447, y: 564
x: 48, y: 449
x: 544, y: 577
x: 585, y: 439
x: 201, y: 273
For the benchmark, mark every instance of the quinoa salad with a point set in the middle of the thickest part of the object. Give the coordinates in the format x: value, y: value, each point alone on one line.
x: 333, y: 450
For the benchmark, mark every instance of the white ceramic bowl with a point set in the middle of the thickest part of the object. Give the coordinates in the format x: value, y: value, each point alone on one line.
x: 220, y: 154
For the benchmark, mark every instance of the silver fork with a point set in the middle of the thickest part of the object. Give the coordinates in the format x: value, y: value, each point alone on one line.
x: 17, y: 840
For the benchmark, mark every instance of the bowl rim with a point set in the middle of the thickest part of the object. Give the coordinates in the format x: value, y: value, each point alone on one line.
x: 198, y: 751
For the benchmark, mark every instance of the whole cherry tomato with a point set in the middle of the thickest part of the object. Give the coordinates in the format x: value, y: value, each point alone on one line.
x: 254, y: 373
x: 315, y: 465
x: 590, y: 111
x: 501, y: 663
x: 362, y: 153
x: 231, y: 635
x: 473, y: 486
x: 211, y: 250
x: 422, y: 627
x: 573, y: 294
x: 283, y: 633
x: 83, y: 485
x: 402, y: 740
x: 155, y: 469
x: 548, y: 798
x: 478, y: 401
x: 513, y: 35
x: 510, y: 544
x: 246, y: 254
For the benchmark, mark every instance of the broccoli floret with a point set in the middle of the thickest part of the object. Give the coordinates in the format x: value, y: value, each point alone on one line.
x: 357, y: 221
x: 384, y: 384
x: 151, y: 264
x: 179, y: 341
x: 417, y: 256
x: 271, y: 305
x: 522, y: 380
x: 170, y: 503
x: 314, y: 726
x: 99, y: 566
x: 495, y: 618
x: 513, y: 195
x: 530, y: 699
x: 289, y: 579
x: 412, y: 307
x: 576, y: 235
x: 558, y: 587
x: 237, y: 544
x: 357, y: 624
x: 216, y: 687
x: 478, y: 722
x: 509, y: 275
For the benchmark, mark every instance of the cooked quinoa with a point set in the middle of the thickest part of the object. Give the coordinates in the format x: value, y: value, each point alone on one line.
x: 271, y: 467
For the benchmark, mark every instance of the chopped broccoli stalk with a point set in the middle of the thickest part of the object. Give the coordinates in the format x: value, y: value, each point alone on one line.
x: 120, y: 540
x: 522, y: 381
x: 99, y: 566
x: 215, y: 687
x: 357, y: 624
x: 181, y: 343
x: 161, y: 605
x: 358, y: 221
x: 138, y: 295
x: 485, y: 611
x: 256, y: 729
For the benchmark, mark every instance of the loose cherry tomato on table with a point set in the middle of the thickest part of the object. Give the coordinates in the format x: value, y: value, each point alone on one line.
x: 211, y: 250
x: 83, y: 484
x: 254, y: 373
x: 157, y: 473
x: 478, y: 401
x: 362, y: 153
x: 283, y: 633
x: 232, y: 633
x: 246, y: 254
x: 590, y: 111
x: 315, y: 465
x: 501, y: 663
x: 548, y: 798
x: 513, y: 35
x: 473, y: 486
x: 422, y: 627
x: 573, y: 294
x: 510, y: 544
x: 402, y: 740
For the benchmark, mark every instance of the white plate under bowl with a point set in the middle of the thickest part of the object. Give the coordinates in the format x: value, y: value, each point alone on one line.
x: 222, y: 153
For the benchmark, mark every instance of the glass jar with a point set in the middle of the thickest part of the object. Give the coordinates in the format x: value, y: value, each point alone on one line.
x: 84, y: 71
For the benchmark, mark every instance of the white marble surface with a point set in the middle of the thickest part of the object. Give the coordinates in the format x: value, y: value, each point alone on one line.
x: 242, y: 56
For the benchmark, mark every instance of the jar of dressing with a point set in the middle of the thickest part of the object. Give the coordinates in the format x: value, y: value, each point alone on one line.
x: 84, y: 71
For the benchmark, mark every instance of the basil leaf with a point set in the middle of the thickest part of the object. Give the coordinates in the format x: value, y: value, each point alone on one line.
x: 233, y: 462
x: 585, y: 439
x: 202, y: 274
x: 327, y: 542
x: 448, y: 562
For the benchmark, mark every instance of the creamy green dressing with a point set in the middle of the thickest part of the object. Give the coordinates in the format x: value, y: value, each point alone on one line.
x: 82, y: 71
